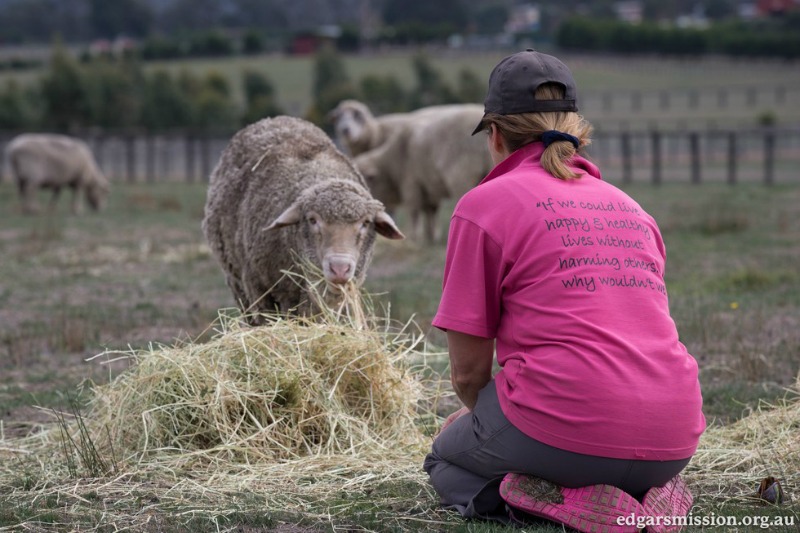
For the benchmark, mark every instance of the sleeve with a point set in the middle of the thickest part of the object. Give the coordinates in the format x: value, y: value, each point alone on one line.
x: 472, y: 285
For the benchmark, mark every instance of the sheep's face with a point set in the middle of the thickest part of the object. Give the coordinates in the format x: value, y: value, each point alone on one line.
x: 96, y: 194
x: 337, y: 228
x: 350, y: 124
x: 338, y: 245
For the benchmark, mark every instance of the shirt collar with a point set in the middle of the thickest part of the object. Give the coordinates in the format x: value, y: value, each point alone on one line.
x: 531, y: 154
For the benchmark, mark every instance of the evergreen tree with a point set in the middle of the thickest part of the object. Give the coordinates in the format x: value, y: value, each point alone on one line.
x: 15, y: 114
x: 431, y: 88
x: 384, y: 94
x: 331, y: 84
x: 259, y: 97
x: 64, y: 100
x: 164, y: 105
x: 113, y: 90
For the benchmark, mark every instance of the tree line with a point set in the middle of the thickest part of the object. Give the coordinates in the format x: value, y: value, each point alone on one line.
x: 115, y: 93
x: 767, y: 38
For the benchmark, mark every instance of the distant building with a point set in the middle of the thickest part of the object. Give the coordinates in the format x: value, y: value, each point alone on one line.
x: 768, y: 8
x: 308, y: 42
x: 524, y: 18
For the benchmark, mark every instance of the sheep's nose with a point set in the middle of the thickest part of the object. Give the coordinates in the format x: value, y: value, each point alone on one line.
x: 340, y: 270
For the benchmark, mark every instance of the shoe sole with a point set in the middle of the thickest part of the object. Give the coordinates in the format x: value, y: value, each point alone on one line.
x: 593, y: 509
x: 671, y: 500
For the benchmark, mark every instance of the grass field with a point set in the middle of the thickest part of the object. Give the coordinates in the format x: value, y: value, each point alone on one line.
x: 138, y: 273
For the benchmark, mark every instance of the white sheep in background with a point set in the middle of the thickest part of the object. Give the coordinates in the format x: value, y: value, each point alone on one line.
x: 280, y: 194
x: 51, y: 161
x: 416, y: 159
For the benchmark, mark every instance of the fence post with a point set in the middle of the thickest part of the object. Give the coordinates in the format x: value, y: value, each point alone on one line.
x: 189, y: 158
x: 655, y: 139
x: 769, y: 156
x: 206, y: 156
x: 150, y: 157
x: 99, y: 154
x: 627, y: 164
x: 694, y: 147
x: 732, y: 157
x: 130, y: 157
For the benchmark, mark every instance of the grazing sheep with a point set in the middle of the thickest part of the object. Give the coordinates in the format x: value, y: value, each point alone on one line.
x: 420, y: 158
x: 282, y: 194
x: 42, y: 161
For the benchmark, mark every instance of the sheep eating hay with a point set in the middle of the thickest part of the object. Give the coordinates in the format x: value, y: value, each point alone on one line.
x: 40, y: 161
x: 280, y: 195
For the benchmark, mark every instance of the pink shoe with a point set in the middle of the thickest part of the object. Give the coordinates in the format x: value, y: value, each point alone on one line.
x: 593, y: 509
x: 667, y: 503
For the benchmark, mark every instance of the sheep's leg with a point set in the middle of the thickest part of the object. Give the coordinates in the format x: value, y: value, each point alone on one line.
x: 76, y: 200
x: 54, y: 198
x: 431, y: 228
x: 27, y: 194
x: 416, y: 224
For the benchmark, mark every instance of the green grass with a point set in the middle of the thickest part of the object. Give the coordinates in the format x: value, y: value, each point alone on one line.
x: 137, y: 273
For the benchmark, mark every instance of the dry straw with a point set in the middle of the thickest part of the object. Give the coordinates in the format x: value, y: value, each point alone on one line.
x: 305, y: 416
x: 731, y: 460
x: 296, y: 409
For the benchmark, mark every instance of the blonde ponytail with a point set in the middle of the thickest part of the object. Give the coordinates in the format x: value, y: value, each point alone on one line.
x: 524, y: 128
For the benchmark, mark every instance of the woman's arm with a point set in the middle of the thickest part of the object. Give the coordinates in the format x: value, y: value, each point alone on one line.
x: 471, y: 360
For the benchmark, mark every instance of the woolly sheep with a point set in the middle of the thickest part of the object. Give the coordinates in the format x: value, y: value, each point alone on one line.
x: 444, y: 160
x: 420, y: 158
x: 42, y: 161
x: 281, y: 194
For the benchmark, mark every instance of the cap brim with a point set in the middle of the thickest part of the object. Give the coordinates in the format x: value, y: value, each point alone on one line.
x: 481, y: 126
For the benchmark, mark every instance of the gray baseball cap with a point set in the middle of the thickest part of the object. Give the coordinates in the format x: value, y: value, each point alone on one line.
x: 513, y: 84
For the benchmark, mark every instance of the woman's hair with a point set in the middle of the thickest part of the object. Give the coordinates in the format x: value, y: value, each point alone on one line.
x: 524, y: 128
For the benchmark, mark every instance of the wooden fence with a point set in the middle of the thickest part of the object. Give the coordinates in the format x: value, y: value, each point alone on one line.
x: 768, y: 155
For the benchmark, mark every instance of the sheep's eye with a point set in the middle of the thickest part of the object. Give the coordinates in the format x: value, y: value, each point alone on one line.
x: 366, y: 224
x: 312, y: 221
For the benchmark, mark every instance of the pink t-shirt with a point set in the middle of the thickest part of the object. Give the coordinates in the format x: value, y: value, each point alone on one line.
x: 568, y: 276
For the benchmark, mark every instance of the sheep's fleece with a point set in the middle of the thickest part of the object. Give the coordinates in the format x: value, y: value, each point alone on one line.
x: 44, y: 160
x: 282, y: 193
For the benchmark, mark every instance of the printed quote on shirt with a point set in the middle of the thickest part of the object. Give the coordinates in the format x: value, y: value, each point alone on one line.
x: 589, y: 233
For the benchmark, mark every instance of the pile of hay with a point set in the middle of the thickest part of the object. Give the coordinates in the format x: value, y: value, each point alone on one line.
x: 290, y: 389
x: 295, y: 414
x: 731, y: 460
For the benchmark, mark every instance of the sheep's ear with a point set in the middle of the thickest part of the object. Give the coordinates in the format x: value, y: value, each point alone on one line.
x: 291, y: 216
x: 385, y: 226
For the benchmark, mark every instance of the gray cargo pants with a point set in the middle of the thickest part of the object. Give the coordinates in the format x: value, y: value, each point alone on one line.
x: 471, y: 456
